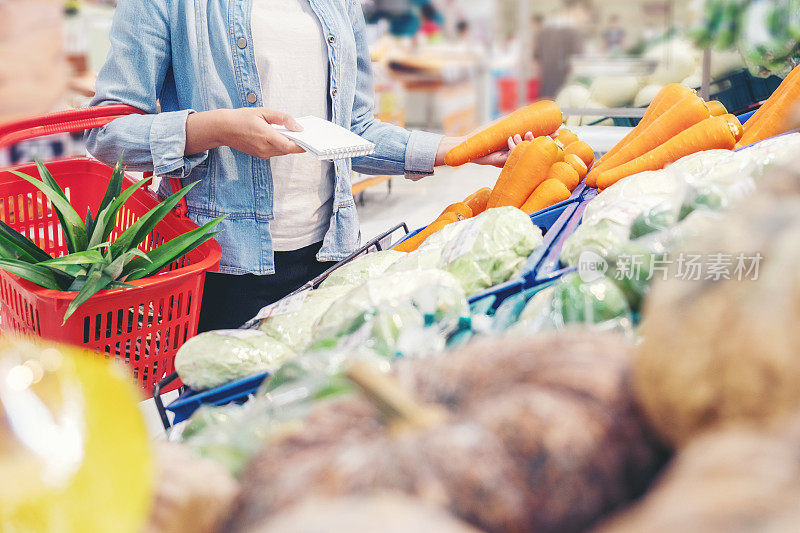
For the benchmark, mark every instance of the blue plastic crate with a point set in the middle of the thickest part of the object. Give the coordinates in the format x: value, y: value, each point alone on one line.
x: 234, y: 392
x: 762, y: 88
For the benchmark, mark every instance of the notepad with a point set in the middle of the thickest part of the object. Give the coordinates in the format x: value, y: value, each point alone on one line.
x: 326, y: 140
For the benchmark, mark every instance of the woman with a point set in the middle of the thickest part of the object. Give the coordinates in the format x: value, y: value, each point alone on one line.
x: 221, y: 72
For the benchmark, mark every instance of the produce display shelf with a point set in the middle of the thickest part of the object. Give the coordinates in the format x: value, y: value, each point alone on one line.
x: 551, y: 220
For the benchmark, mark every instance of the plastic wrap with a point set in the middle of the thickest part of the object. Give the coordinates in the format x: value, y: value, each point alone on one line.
x: 386, y: 307
x: 293, y: 323
x: 599, y: 304
x: 362, y: 268
x: 229, y: 434
x: 218, y: 357
x: 487, y: 249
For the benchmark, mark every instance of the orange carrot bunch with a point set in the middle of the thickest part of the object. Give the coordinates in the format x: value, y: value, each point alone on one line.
x: 477, y: 201
x: 540, y: 118
x: 527, y: 168
x: 549, y: 192
x: 712, y: 133
x: 771, y: 118
x: 414, y: 242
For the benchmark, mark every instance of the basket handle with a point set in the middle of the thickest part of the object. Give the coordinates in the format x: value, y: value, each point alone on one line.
x: 74, y: 120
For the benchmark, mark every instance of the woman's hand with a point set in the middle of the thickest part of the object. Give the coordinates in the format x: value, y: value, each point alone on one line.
x: 248, y: 130
x: 496, y: 159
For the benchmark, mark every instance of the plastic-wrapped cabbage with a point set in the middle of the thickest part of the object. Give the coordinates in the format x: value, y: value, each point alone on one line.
x: 659, y: 183
x: 293, y: 323
x: 362, y: 268
x: 299, y: 383
x: 487, y: 249
x: 424, y: 258
x: 699, y: 163
x: 230, y: 434
x: 217, y: 357
x: 598, y: 303
x: 383, y: 308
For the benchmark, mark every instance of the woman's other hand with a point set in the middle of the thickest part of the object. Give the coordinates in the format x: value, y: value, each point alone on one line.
x: 496, y: 159
x: 248, y: 130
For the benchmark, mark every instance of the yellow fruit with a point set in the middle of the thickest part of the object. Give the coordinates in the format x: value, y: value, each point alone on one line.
x: 74, y: 451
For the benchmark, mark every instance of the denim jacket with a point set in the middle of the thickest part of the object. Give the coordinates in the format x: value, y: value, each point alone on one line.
x: 174, y: 57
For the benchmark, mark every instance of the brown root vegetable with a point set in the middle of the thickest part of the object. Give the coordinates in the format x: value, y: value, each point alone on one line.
x: 540, y: 434
x: 191, y: 493
x: 585, y: 363
x: 389, y: 513
x: 737, y: 480
x: 459, y: 466
x: 580, y: 460
x: 722, y: 351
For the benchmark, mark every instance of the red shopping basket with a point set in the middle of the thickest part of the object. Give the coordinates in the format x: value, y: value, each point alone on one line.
x: 142, y: 327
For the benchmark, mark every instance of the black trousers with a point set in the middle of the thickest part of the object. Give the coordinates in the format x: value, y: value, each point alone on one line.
x: 230, y: 300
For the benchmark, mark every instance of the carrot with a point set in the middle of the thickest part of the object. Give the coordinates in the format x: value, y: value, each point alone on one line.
x: 564, y: 173
x: 578, y: 164
x: 414, y: 242
x: 477, y: 200
x: 528, y: 173
x: 549, y: 192
x: 540, y: 118
x: 680, y: 116
x: 665, y: 99
x: 582, y: 150
x: 716, y: 108
x: 712, y: 133
x: 459, y: 208
x: 566, y: 137
x: 771, y: 118
x: 505, y: 174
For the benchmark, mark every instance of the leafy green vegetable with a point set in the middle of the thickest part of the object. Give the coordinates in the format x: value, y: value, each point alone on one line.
x: 94, y: 264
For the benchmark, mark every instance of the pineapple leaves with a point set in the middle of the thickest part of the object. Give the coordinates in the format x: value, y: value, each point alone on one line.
x: 72, y: 224
x: 37, y: 274
x: 169, y: 251
x: 14, y: 245
x: 140, y: 229
x: 93, y: 264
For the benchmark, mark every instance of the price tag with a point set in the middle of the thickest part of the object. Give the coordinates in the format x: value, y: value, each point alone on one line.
x: 290, y: 304
x: 464, y: 241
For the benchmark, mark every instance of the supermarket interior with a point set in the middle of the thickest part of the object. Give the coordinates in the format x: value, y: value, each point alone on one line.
x: 358, y: 266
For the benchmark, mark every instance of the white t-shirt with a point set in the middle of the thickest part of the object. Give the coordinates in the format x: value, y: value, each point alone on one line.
x: 292, y: 59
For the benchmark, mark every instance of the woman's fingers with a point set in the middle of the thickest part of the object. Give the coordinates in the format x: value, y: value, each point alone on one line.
x: 511, y: 143
x: 529, y: 136
x: 280, y: 118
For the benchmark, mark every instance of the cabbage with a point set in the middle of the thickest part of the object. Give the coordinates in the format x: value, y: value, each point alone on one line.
x: 424, y: 258
x: 382, y: 308
x: 614, y: 91
x: 659, y: 183
x: 646, y: 95
x: 217, y: 357
x: 573, y: 95
x: 295, y: 325
x: 487, y: 249
x: 677, y: 60
x: 362, y: 268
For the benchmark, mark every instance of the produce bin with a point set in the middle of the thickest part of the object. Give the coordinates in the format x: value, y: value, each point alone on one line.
x: 488, y: 300
x: 141, y: 328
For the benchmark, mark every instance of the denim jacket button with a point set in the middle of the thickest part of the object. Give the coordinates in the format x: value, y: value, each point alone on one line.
x: 252, y: 98
x: 334, y: 92
x: 331, y: 39
x: 242, y: 42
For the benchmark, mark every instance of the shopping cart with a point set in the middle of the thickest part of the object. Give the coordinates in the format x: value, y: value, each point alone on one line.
x: 141, y: 328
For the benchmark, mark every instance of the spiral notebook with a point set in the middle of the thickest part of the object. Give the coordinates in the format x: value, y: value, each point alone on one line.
x: 326, y: 140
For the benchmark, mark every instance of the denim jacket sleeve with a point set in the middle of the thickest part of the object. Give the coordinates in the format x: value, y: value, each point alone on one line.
x: 397, y: 151
x: 133, y: 74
